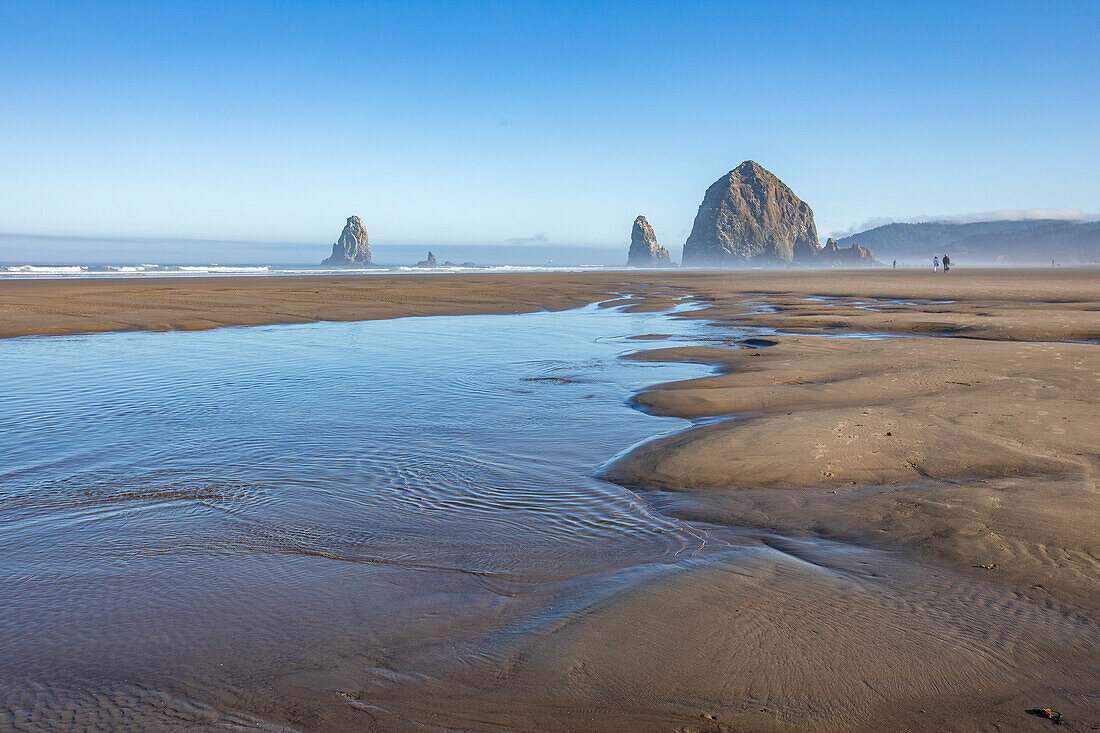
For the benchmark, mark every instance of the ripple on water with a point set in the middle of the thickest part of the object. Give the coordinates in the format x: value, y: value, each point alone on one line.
x: 159, y: 486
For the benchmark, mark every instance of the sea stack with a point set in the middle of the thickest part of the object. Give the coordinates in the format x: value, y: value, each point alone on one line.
x: 430, y: 262
x: 352, y: 248
x: 832, y: 254
x: 750, y: 217
x: 644, y: 250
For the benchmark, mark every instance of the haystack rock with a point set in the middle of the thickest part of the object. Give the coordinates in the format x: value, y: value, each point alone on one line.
x: 430, y: 262
x: 834, y: 255
x: 644, y: 250
x: 750, y: 217
x: 352, y: 247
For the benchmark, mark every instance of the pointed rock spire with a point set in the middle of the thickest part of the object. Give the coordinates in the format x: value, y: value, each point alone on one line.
x: 644, y: 250
x: 352, y: 247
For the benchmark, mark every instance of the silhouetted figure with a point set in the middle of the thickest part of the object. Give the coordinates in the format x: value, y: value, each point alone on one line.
x: 895, y: 264
x: 946, y: 263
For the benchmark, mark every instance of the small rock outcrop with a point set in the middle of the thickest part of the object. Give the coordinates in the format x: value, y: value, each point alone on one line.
x: 430, y: 262
x: 448, y: 263
x: 750, y: 217
x: 833, y: 255
x: 352, y: 248
x: 644, y: 250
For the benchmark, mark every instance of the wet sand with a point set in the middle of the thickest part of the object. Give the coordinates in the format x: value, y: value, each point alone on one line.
x: 67, y: 306
x: 54, y: 307
x: 972, y: 461
x: 917, y: 515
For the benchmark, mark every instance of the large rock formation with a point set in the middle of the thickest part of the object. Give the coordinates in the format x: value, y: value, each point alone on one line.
x: 644, y: 250
x: 430, y: 262
x: 750, y: 217
x: 832, y: 254
x: 352, y: 248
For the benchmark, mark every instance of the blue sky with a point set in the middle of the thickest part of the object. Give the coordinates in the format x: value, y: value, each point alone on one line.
x: 560, y: 122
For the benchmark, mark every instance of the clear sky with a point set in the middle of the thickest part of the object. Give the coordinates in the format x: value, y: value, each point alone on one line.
x: 560, y: 122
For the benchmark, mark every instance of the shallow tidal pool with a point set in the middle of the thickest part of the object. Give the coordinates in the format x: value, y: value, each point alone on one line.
x: 192, y: 521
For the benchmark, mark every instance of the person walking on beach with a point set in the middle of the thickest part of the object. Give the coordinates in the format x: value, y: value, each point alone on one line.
x: 895, y: 264
x: 946, y: 263
x: 935, y: 264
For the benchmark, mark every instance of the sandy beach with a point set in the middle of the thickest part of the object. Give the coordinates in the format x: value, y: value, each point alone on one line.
x: 973, y: 456
x: 1030, y: 304
x: 922, y: 499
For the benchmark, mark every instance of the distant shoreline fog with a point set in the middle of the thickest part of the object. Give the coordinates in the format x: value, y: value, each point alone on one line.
x: 39, y: 250
x: 1033, y: 243
x: 63, y: 272
x: 12, y: 271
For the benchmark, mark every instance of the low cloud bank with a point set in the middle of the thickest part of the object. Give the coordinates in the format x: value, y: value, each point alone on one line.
x: 539, y: 238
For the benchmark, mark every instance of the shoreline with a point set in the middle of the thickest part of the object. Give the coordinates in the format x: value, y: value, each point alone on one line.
x: 90, y: 305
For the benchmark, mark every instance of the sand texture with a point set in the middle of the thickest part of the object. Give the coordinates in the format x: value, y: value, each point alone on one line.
x: 911, y: 522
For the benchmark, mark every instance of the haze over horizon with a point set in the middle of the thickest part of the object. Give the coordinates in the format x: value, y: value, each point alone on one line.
x: 532, y: 124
